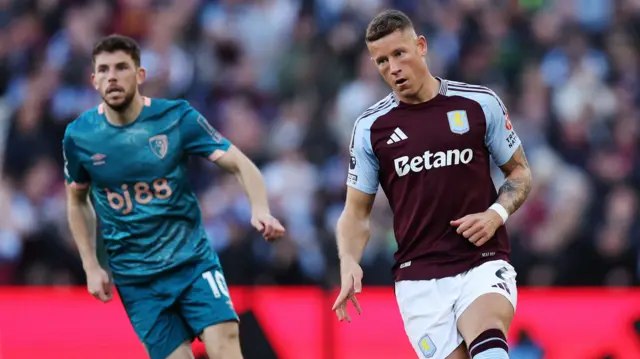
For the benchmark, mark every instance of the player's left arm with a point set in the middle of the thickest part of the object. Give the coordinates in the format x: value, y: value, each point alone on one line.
x: 201, y: 139
x: 517, y: 182
x: 250, y: 177
x: 507, y: 152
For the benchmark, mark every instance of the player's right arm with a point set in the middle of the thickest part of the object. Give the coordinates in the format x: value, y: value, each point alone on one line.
x: 362, y: 186
x: 82, y: 221
x: 353, y: 230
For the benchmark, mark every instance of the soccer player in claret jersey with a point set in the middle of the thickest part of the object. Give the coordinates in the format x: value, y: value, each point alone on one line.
x: 130, y: 153
x: 429, y: 145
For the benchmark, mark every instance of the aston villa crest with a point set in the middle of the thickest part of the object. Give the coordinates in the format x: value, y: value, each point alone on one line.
x: 458, y: 121
x: 159, y: 145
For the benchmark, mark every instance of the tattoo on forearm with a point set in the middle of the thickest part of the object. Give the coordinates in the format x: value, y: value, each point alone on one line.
x: 512, y: 194
x: 517, y: 184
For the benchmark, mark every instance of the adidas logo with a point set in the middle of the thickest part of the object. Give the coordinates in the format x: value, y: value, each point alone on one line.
x: 397, y: 136
x: 502, y: 286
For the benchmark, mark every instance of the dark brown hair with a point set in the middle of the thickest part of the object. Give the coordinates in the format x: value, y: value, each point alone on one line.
x: 386, y: 23
x: 115, y: 42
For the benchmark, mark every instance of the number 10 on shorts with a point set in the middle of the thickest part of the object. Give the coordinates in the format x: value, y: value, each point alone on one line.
x: 217, y: 283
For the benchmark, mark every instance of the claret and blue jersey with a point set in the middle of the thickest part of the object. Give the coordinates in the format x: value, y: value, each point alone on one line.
x: 432, y: 160
x: 149, y: 215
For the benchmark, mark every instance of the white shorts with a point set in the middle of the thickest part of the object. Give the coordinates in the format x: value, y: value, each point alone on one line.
x: 430, y: 308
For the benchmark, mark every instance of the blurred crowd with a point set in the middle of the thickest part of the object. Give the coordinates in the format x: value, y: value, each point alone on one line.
x: 284, y: 80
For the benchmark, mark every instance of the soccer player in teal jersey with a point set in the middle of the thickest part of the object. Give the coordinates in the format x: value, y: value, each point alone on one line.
x: 130, y: 153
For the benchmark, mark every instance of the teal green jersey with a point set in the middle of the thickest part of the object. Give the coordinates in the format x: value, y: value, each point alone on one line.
x: 149, y: 215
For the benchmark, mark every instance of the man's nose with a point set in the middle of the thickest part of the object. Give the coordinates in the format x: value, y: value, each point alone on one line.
x: 111, y: 75
x: 395, y: 67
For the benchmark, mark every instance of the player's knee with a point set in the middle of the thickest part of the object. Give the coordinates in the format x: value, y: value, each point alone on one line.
x: 490, y: 311
x: 222, y: 341
x: 231, y: 335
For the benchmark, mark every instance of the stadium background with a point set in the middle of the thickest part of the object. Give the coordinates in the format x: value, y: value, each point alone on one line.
x: 284, y: 80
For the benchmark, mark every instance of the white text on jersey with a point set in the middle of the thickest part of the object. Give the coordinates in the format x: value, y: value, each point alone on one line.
x: 432, y: 160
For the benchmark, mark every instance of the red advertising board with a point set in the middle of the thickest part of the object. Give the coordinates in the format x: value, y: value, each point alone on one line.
x: 67, y: 323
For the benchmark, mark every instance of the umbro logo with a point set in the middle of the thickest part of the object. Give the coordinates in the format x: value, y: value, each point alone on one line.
x: 397, y: 136
x: 98, y: 159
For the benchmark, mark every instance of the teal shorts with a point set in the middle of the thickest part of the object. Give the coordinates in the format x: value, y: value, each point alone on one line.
x: 177, y: 306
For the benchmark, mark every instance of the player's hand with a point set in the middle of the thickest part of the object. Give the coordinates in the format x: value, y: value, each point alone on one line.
x: 99, y: 285
x: 478, y: 228
x: 266, y: 224
x: 351, y: 284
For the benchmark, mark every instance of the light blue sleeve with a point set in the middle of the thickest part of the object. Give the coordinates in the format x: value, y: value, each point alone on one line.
x: 501, y: 139
x: 363, y: 166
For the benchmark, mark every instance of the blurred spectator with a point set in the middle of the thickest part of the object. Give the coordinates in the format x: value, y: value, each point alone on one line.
x: 286, y: 79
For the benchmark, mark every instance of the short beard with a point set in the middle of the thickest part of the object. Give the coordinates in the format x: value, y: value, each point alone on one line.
x: 124, y: 105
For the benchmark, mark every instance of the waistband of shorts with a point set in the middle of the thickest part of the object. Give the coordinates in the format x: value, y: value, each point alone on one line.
x: 427, y: 268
